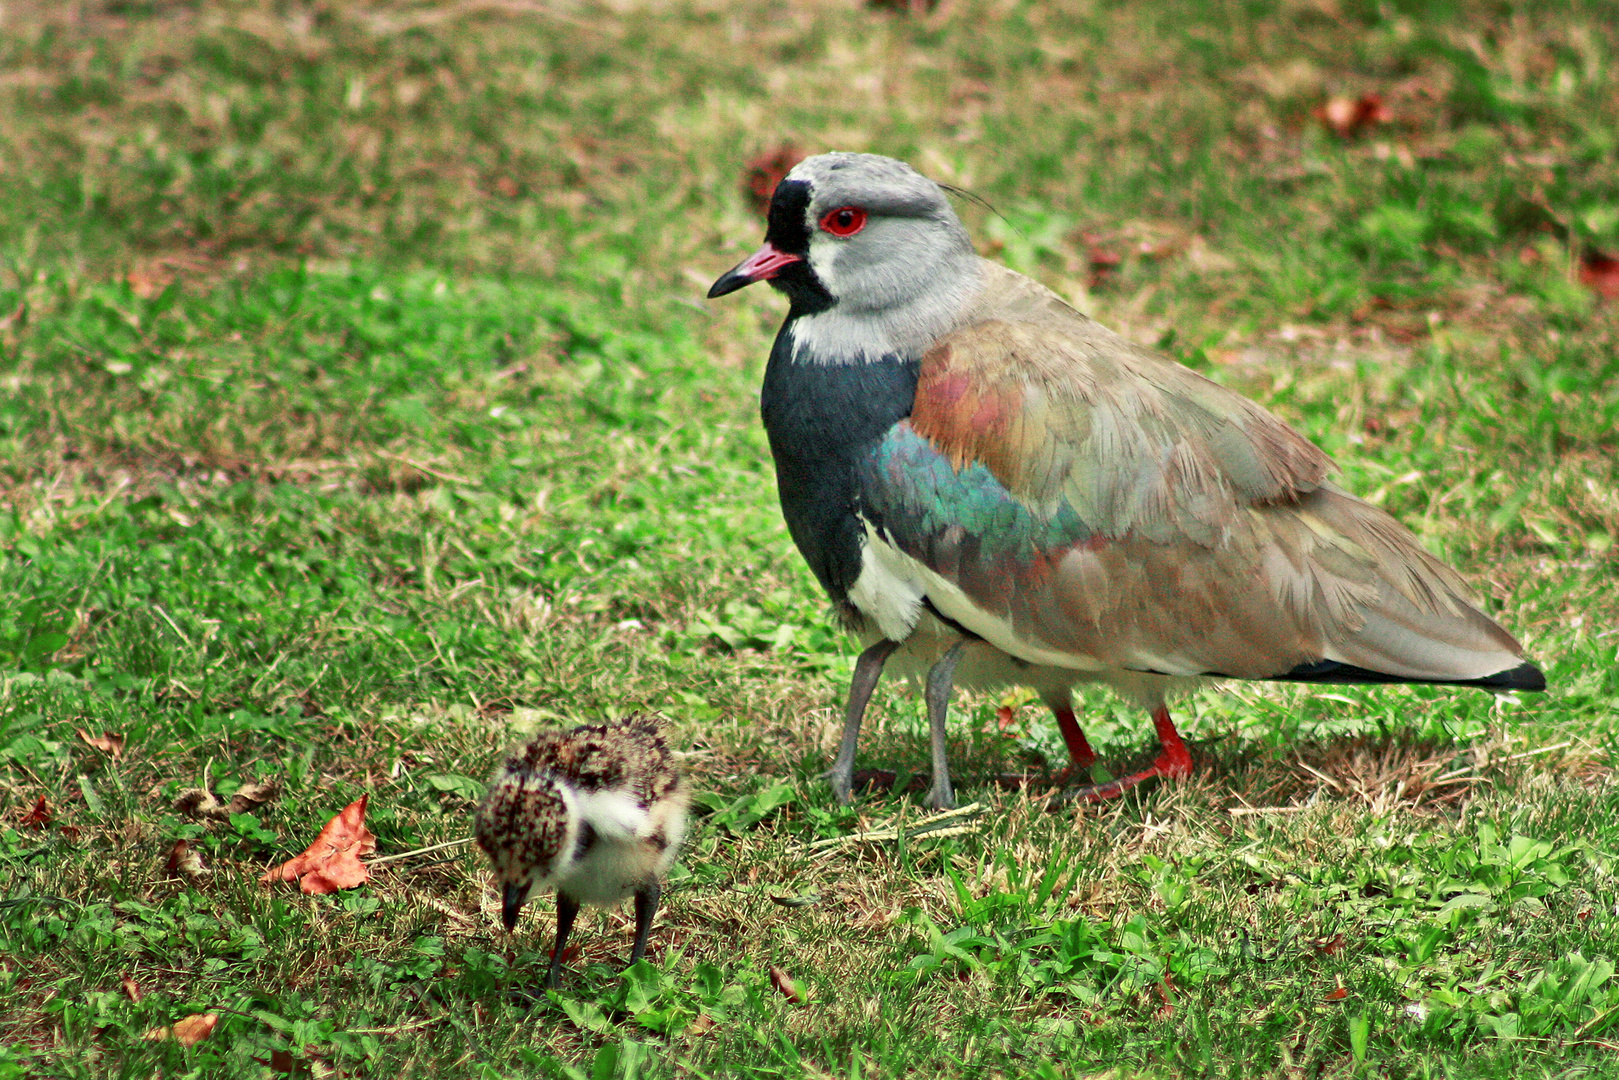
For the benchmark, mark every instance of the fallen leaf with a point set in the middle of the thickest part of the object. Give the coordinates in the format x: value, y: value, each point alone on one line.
x: 1102, y: 261
x: 1347, y: 117
x: 38, y: 817
x: 766, y: 171
x: 332, y: 862
x: 251, y: 796
x: 1329, y: 946
x: 1600, y: 274
x: 131, y: 989
x: 147, y: 281
x: 701, y: 1024
x: 1338, y: 994
x: 188, y: 1032
x: 784, y: 983
x: 110, y: 744
x: 196, y: 802
x: 184, y: 862
x: 202, y: 803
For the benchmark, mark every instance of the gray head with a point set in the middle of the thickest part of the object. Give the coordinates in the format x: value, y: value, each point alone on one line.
x: 868, y: 238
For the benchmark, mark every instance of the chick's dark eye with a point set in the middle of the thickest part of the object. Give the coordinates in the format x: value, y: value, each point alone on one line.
x: 845, y: 221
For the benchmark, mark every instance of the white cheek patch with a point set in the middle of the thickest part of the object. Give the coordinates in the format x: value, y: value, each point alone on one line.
x: 823, y: 259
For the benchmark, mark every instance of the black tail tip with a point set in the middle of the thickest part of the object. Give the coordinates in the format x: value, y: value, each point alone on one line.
x: 1526, y: 676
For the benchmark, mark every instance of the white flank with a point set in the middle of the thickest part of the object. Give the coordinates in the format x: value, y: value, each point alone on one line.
x: 891, y: 600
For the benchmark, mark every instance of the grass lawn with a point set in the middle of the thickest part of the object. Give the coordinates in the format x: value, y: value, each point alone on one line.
x: 362, y: 413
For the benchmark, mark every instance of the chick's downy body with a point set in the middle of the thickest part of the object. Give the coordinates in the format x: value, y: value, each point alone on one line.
x: 597, y: 813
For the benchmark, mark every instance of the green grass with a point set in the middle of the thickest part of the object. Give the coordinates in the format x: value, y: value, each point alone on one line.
x: 361, y: 412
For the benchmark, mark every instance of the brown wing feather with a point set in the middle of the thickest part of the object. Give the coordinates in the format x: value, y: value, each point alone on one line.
x: 1060, y: 407
x: 1226, y: 551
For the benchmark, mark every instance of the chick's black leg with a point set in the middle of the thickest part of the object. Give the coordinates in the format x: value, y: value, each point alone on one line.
x: 567, y: 908
x: 646, y: 906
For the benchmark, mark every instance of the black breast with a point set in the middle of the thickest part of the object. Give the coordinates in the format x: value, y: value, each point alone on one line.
x: 822, y: 420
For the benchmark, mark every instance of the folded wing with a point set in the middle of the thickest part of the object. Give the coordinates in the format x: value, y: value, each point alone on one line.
x: 1079, y: 500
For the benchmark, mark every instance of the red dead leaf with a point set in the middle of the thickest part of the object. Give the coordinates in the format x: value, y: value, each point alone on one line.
x: 1338, y: 994
x: 131, y: 989
x: 1330, y: 946
x: 188, y: 1032
x: 1600, y: 274
x: 1347, y: 117
x: 110, y: 744
x: 38, y: 817
x: 332, y: 862
x: 765, y: 172
x: 1004, y: 722
x: 784, y: 983
x: 1102, y: 261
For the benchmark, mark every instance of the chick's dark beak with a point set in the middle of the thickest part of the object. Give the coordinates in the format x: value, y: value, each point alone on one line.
x: 511, y: 904
x: 762, y: 265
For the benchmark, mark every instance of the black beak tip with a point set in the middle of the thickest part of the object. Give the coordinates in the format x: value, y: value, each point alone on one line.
x: 511, y: 905
x: 729, y: 282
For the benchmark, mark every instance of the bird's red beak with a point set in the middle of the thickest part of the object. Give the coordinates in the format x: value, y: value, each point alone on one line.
x: 762, y: 265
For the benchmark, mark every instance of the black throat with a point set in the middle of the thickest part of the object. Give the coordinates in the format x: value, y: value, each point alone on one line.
x: 823, y: 419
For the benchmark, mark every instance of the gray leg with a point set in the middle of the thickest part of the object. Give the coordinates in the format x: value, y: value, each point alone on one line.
x: 566, y: 909
x: 867, y: 670
x: 646, y: 906
x: 940, y: 678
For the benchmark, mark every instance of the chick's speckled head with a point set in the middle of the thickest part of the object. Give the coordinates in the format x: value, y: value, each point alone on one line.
x: 522, y: 825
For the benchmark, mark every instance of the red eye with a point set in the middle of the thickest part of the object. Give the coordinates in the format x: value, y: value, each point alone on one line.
x: 844, y: 221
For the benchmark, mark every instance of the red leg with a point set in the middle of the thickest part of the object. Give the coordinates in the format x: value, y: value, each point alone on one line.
x: 1080, y: 754
x: 1174, y: 762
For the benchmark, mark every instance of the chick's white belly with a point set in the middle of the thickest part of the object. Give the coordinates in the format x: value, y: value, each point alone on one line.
x: 613, y: 868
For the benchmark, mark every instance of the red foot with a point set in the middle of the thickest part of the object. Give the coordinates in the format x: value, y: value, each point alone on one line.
x: 1175, y: 762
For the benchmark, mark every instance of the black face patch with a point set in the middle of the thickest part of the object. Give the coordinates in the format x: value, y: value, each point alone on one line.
x: 788, y: 228
x: 789, y: 231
